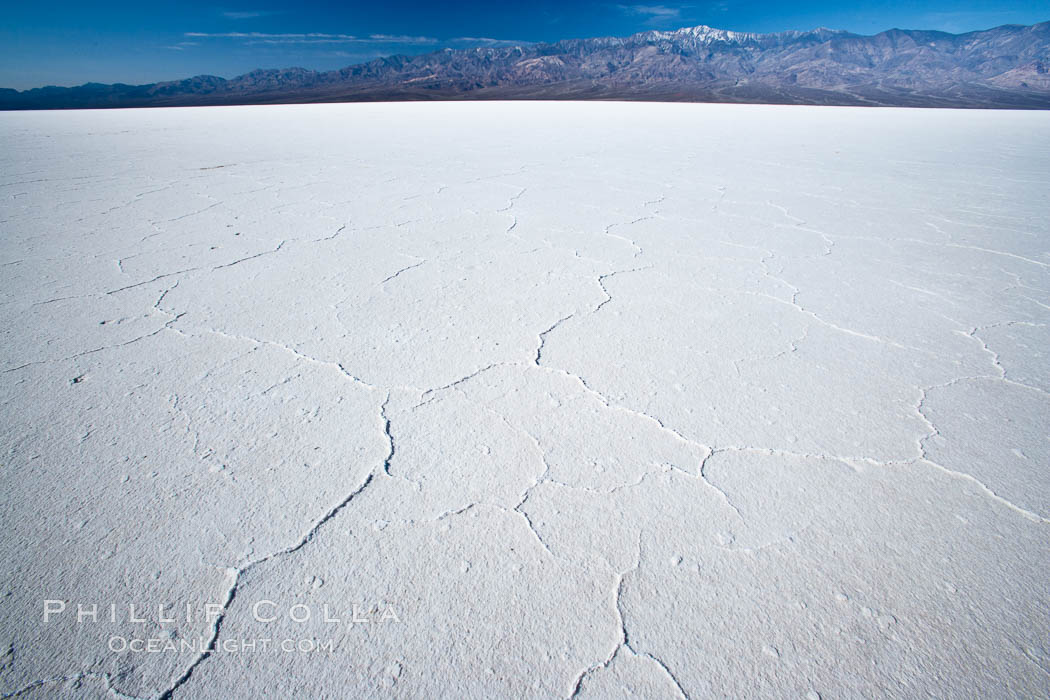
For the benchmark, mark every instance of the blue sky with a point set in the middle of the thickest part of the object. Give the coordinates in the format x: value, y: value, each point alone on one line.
x: 68, y: 43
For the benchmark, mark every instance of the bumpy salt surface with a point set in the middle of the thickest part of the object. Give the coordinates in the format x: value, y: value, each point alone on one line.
x: 525, y: 400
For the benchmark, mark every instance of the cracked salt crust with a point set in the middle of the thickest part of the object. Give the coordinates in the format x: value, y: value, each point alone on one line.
x: 597, y: 400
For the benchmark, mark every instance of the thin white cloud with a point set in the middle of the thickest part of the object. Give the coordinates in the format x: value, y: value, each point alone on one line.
x: 319, y: 40
x: 262, y: 35
x: 181, y: 46
x: 662, y: 12
x: 662, y: 16
x: 248, y: 14
x: 488, y: 41
x: 257, y: 42
x: 401, y: 39
x: 313, y: 38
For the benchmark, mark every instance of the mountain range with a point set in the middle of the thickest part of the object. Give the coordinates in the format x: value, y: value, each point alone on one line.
x: 1004, y: 67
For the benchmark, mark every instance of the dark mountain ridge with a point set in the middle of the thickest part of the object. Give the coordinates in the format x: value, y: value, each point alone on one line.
x: 1004, y: 67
